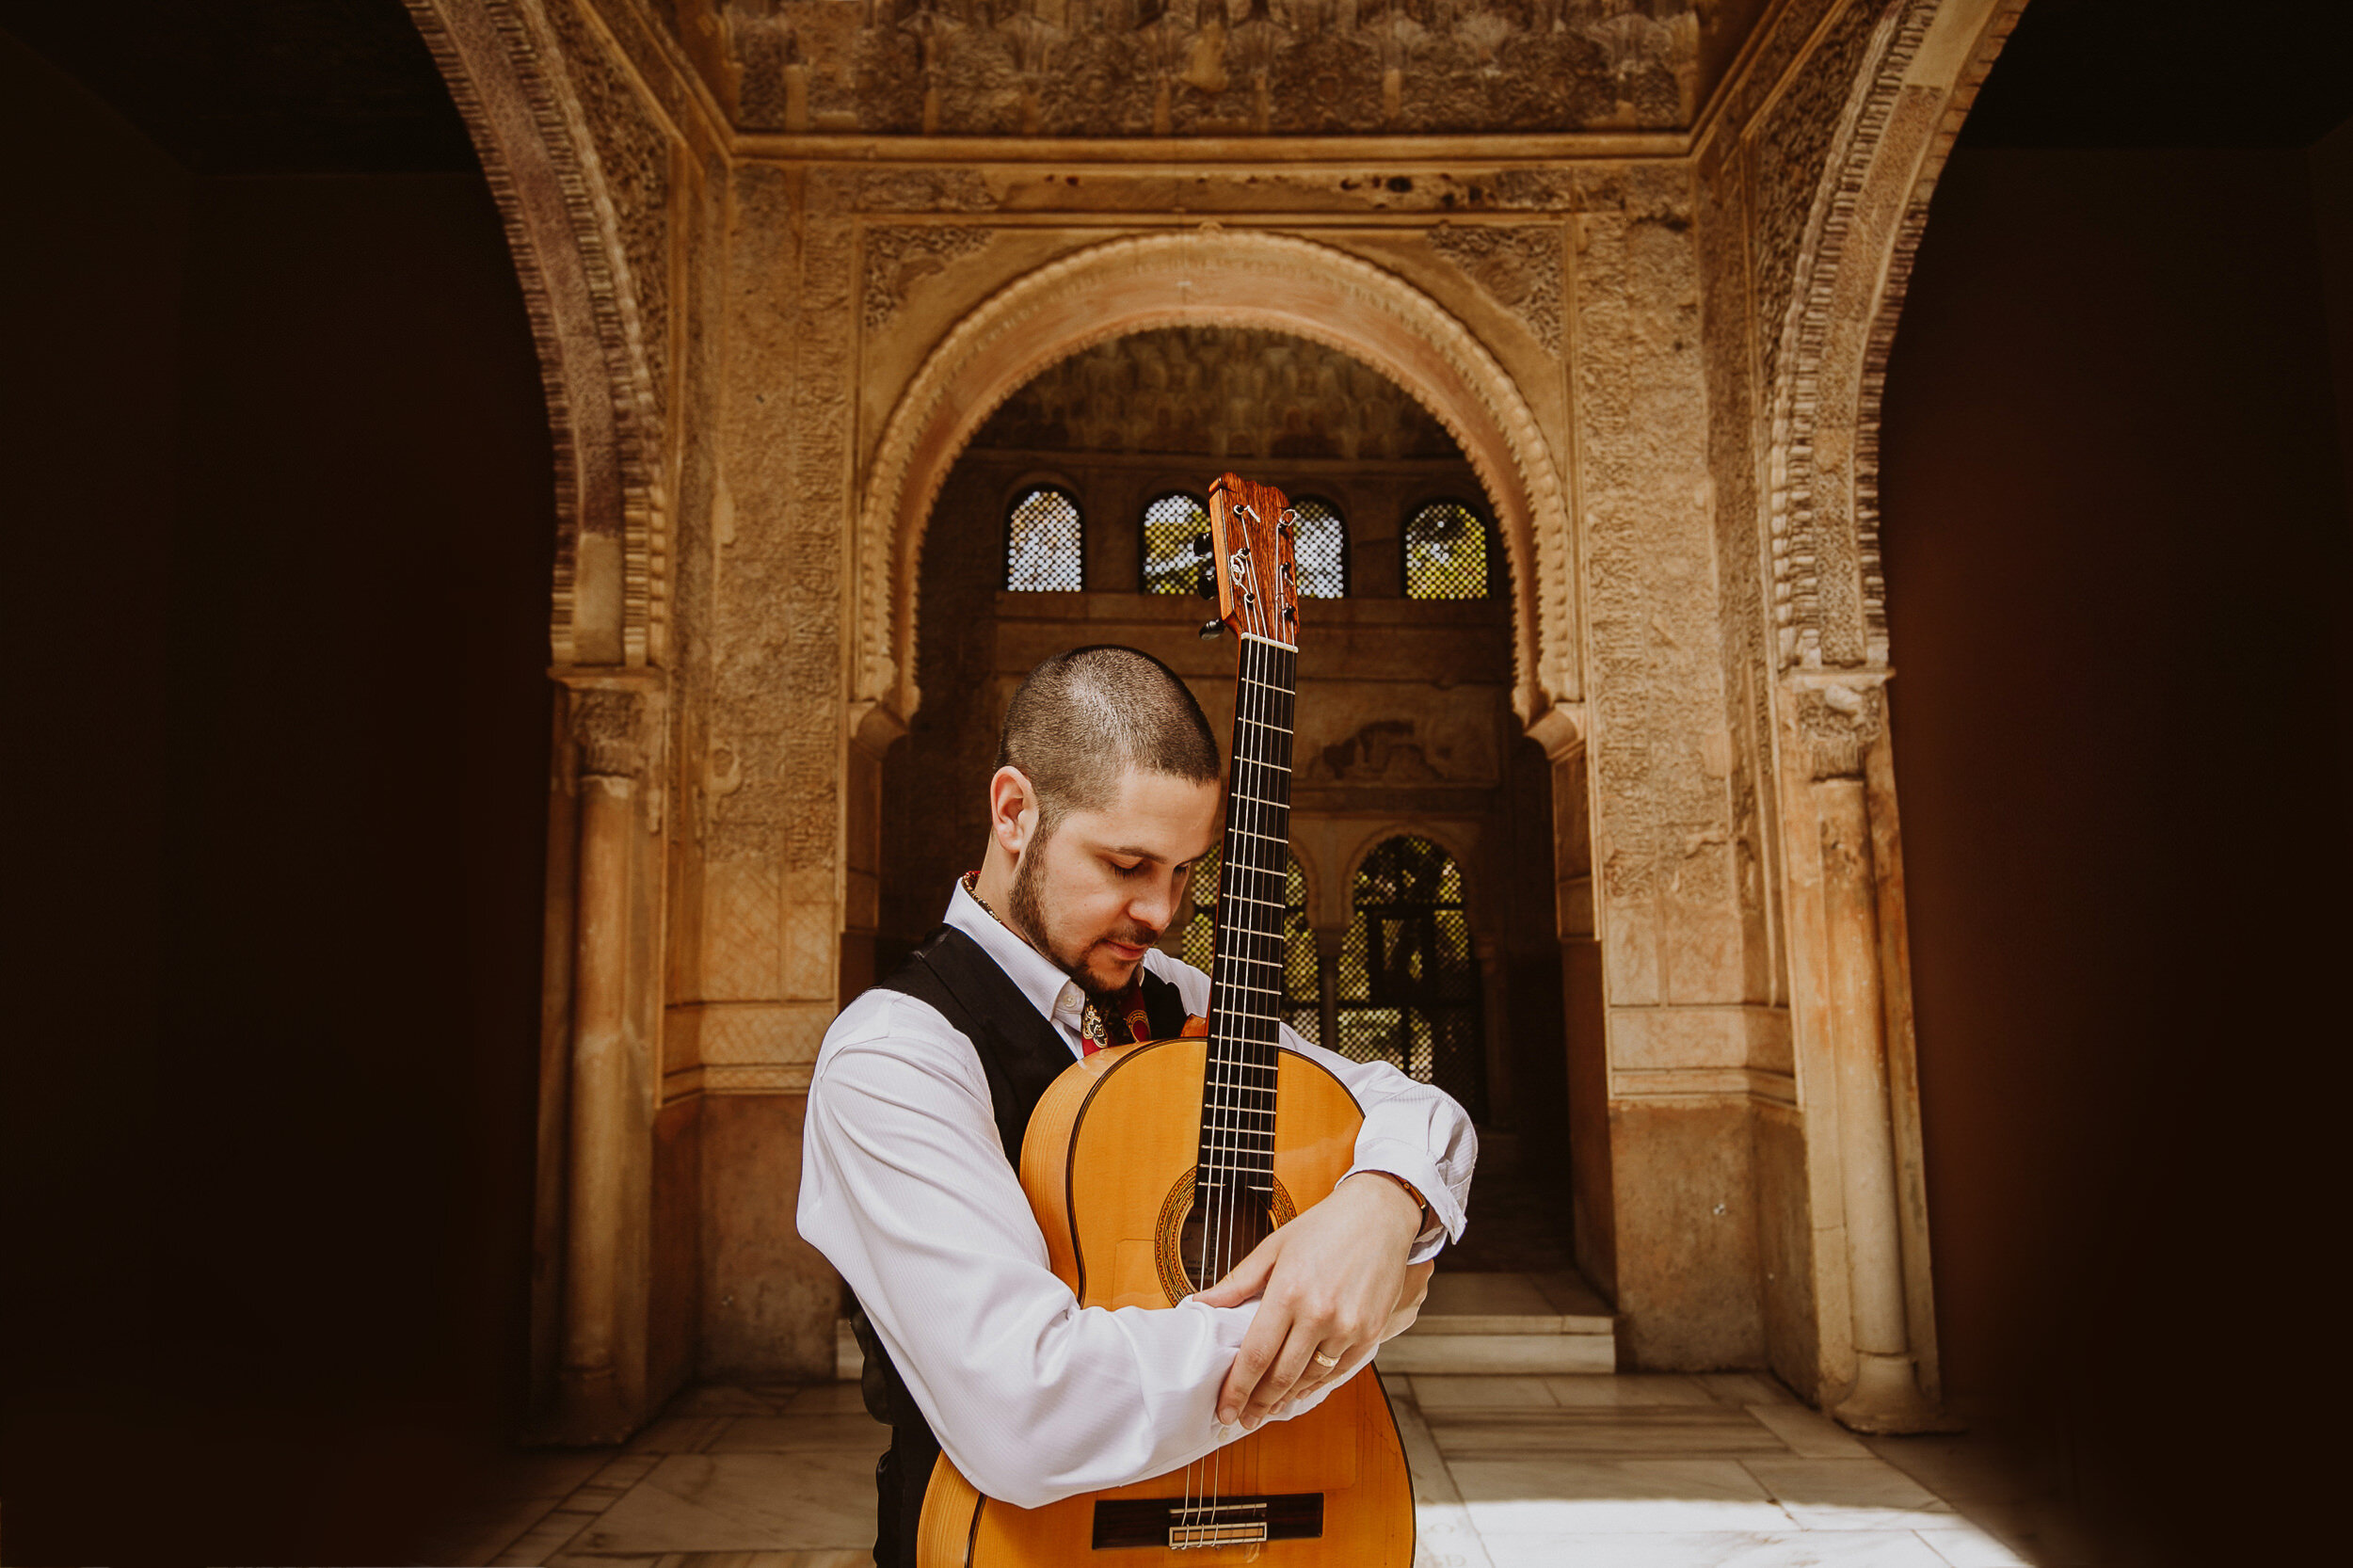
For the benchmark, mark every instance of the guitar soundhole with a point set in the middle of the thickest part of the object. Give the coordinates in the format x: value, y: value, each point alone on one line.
x: 1219, y: 1235
x: 1167, y: 1523
x: 1186, y: 1244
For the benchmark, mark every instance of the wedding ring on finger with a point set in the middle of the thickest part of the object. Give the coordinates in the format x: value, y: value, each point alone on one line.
x: 1326, y: 1362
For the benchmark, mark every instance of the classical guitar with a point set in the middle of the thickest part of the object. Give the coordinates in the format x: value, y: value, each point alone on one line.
x: 1154, y: 1168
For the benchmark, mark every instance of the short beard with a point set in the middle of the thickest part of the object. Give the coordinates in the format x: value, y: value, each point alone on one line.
x: 1028, y: 913
x: 1029, y: 905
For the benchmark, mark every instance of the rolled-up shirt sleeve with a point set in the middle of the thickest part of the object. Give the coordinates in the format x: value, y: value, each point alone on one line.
x: 906, y: 1188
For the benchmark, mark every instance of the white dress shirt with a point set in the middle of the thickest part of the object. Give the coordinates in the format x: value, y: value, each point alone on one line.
x: 906, y: 1188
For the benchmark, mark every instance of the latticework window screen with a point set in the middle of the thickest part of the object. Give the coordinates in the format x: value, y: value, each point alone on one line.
x: 1045, y: 542
x: 1321, y: 549
x: 1445, y: 552
x: 1196, y: 943
x: 1408, y: 978
x: 1171, y: 523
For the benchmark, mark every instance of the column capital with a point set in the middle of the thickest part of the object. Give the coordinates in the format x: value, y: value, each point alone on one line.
x: 610, y: 714
x: 1838, y: 714
x: 1561, y: 731
x: 874, y: 724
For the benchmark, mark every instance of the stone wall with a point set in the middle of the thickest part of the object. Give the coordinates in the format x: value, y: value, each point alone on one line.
x: 811, y: 254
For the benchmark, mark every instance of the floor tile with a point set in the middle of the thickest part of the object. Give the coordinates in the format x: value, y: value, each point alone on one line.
x: 2042, y: 1532
x: 1435, y: 1391
x: 1627, y: 1431
x: 1959, y: 1467
x: 829, y: 1398
x: 1744, y: 1388
x: 821, y: 1499
x: 551, y: 1534
x: 1443, y: 1534
x: 1552, y: 1497
x: 795, y: 1432
x: 1718, y: 1549
x: 723, y: 1399
x: 1849, y: 1494
x: 1809, y: 1434
x: 1485, y: 1296
x: 1626, y: 1389
x: 1968, y: 1547
x: 679, y: 1434
x: 1570, y: 1295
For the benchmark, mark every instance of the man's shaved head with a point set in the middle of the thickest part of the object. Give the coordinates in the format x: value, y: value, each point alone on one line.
x: 1084, y: 718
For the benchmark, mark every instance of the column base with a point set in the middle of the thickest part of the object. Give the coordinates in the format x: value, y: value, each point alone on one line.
x: 588, y: 1414
x: 1887, y: 1397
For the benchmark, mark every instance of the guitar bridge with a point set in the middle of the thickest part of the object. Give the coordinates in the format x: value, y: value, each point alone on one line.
x: 1228, y: 1522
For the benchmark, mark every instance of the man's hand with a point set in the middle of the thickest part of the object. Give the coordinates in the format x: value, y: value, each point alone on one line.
x: 1334, y: 1281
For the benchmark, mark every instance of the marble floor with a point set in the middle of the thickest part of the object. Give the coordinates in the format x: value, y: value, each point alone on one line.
x: 1601, y: 1471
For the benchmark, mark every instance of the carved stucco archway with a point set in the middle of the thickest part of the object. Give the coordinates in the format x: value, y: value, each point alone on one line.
x: 512, y: 70
x: 1925, y: 63
x: 1917, y: 66
x: 1235, y: 279
x: 510, y: 77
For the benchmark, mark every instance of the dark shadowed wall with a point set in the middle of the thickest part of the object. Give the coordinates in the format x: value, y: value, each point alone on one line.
x: 2115, y: 554
x: 280, y: 519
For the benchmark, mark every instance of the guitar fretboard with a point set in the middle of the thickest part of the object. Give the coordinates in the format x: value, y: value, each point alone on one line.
x: 1247, y: 993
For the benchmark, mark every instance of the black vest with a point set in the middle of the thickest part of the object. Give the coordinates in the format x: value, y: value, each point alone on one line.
x: 1021, y: 1054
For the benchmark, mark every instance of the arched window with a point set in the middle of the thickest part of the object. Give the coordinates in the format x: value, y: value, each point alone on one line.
x: 1446, y: 552
x: 1045, y: 544
x: 1196, y: 941
x: 1408, y: 979
x: 1170, y: 523
x: 1319, y: 546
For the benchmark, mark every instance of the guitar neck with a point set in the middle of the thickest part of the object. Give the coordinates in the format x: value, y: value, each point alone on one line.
x: 1247, y: 992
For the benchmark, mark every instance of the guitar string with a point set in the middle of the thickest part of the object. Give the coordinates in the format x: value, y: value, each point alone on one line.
x: 1266, y: 691
x: 1234, y: 935
x: 1229, y: 1176
x: 1261, y: 805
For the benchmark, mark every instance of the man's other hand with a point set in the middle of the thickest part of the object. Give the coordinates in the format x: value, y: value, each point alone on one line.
x: 1333, y: 1281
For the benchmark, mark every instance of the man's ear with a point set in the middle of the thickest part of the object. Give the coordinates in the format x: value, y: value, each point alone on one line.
x: 1011, y: 809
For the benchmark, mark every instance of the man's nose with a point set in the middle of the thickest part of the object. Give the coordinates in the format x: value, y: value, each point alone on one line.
x: 1154, y: 908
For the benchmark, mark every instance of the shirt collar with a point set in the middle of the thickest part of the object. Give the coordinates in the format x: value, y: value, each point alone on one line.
x: 1049, y: 990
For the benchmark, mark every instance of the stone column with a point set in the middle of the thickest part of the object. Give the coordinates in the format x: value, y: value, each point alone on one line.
x: 1838, y: 721
x: 1495, y: 1013
x: 613, y: 718
x: 1592, y: 1192
x: 1329, y: 940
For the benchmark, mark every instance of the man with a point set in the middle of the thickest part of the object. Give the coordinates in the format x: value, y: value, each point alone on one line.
x: 1107, y: 790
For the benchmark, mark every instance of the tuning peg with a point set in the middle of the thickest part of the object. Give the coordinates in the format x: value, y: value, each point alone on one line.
x: 1201, y: 542
x: 1205, y: 581
x: 1211, y: 631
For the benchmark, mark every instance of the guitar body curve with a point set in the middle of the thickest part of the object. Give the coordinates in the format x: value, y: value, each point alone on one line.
x: 1109, y: 1163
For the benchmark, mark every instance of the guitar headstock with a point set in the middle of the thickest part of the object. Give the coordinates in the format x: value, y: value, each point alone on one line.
x: 1251, y: 529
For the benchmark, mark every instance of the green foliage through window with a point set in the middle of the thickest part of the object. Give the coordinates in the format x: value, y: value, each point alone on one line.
x: 1445, y: 552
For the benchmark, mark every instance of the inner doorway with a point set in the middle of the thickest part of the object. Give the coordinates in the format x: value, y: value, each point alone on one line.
x: 1067, y: 520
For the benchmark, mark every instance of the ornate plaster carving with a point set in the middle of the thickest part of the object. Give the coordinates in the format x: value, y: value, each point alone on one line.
x: 1217, y: 392
x: 588, y: 234
x: 901, y: 256
x: 1837, y: 723
x: 1189, y: 67
x: 1520, y: 266
x: 608, y: 727
x: 1242, y: 279
x: 1831, y: 290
